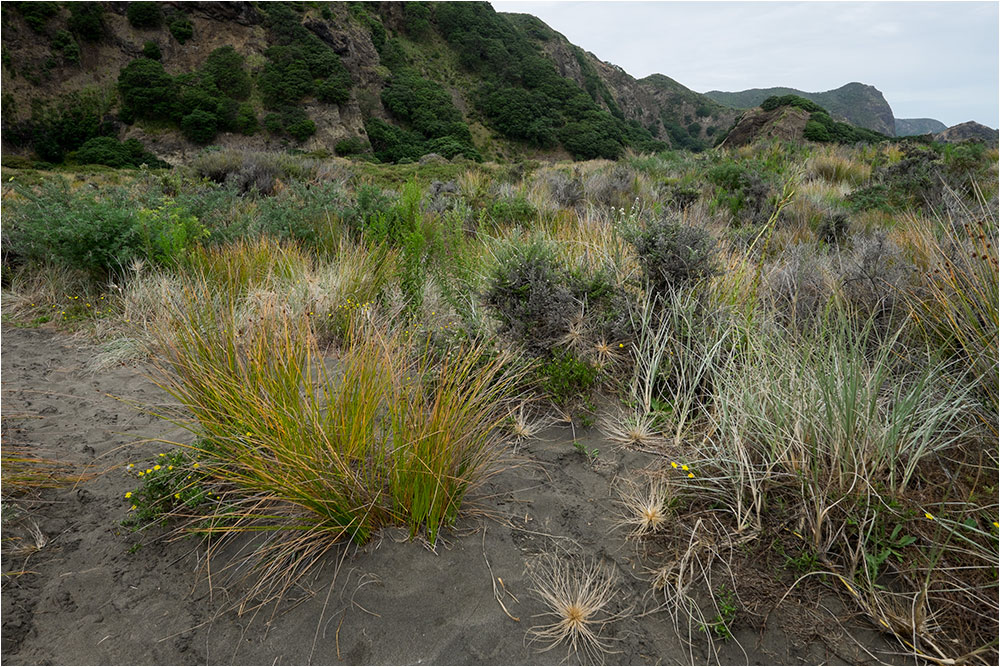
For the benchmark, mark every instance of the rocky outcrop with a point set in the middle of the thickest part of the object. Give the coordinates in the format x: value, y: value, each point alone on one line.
x: 910, y: 127
x: 969, y: 131
x: 855, y: 103
x: 784, y: 124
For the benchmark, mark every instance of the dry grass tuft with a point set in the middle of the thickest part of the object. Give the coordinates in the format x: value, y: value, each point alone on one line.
x: 577, y: 595
x: 645, y: 505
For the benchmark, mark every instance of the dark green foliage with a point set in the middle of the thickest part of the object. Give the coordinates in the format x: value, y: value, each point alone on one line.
x: 181, y: 28
x: 426, y: 107
x: 224, y: 66
x: 872, y: 197
x: 64, y: 42
x: 834, y: 228
x: 566, y: 378
x: 37, y: 14
x: 745, y: 192
x: 246, y: 120
x: 146, y: 89
x: 416, y: 19
x: 298, y: 124
x: 821, y: 127
x: 144, y: 15
x: 200, y: 126
x: 672, y: 254
x: 151, y: 50
x: 524, y: 97
x: 351, y: 146
x: 776, y: 101
x: 64, y: 126
x: 297, y: 61
x: 680, y: 136
x: 113, y: 153
x: 272, y: 123
x: 99, y: 233
x: 86, y: 20
x: 513, y: 211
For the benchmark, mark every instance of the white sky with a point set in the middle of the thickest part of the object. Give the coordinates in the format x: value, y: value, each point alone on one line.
x: 930, y: 59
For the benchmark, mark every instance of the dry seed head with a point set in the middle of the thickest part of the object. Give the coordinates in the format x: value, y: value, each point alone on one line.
x: 645, y: 506
x: 630, y: 428
x: 576, y: 594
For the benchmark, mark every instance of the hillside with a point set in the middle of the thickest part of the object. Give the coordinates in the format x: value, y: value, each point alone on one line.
x: 969, y: 131
x: 908, y: 127
x: 856, y: 103
x: 396, y: 80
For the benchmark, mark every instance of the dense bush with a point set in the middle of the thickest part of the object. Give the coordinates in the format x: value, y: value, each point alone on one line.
x: 37, y: 14
x: 776, y: 101
x: 64, y: 42
x: 151, y: 50
x: 672, y: 254
x: 181, y: 28
x: 113, y: 153
x: 102, y: 234
x: 147, y: 91
x: 144, y: 14
x: 822, y: 128
x: 86, y: 20
x: 199, y: 126
x: 225, y: 67
x: 246, y: 120
x: 350, y: 146
x: 744, y: 191
x: 64, y: 125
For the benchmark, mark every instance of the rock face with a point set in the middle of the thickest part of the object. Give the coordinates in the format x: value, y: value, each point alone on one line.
x: 856, y: 103
x: 909, y: 127
x: 784, y: 123
x: 969, y: 131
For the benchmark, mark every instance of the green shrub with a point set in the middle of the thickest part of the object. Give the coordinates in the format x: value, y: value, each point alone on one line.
x: 37, y: 14
x: 225, y: 67
x: 513, y: 210
x: 672, y: 254
x: 529, y: 293
x: 151, y: 50
x: 112, y: 153
x: 566, y: 379
x: 350, y: 146
x: 246, y: 120
x: 144, y: 15
x: 64, y: 42
x: 86, y: 20
x: 200, y: 126
x: 146, y: 89
x: 775, y: 101
x: 182, y: 29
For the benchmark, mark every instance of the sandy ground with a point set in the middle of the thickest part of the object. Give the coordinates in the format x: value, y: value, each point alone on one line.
x: 89, y: 596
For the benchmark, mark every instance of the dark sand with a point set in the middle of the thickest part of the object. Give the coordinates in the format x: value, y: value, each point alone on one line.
x: 87, y: 598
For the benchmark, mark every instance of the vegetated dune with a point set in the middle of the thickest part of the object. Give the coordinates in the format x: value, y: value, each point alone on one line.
x: 80, y: 588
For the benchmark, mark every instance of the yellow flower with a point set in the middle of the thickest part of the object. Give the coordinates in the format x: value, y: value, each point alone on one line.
x: 196, y: 465
x: 156, y: 467
x: 170, y: 467
x: 177, y: 495
x: 149, y: 471
x: 929, y: 515
x: 673, y: 463
x: 133, y: 508
x: 996, y: 524
x: 684, y: 468
x: 621, y: 345
x: 249, y: 434
x: 161, y: 454
x: 128, y: 495
x: 690, y: 474
x: 141, y: 473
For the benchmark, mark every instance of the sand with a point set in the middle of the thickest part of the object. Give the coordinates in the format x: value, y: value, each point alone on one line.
x: 91, y: 596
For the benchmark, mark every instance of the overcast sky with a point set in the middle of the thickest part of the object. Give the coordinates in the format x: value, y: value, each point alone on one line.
x: 929, y: 59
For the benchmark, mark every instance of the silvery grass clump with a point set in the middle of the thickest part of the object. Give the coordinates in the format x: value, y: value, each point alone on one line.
x: 312, y: 452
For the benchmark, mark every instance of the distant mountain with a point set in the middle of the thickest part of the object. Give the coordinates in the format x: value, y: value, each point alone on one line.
x: 855, y: 103
x: 908, y: 127
x: 970, y: 131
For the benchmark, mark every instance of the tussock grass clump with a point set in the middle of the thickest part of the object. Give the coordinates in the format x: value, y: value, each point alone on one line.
x: 578, y: 596
x: 392, y: 433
